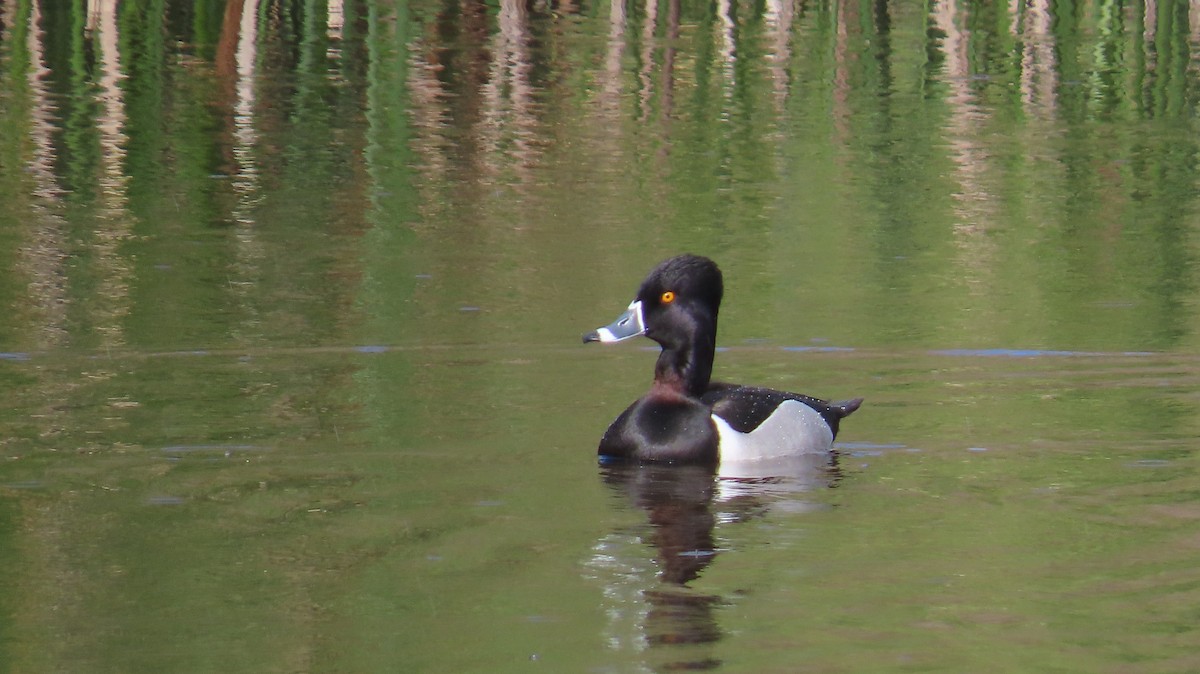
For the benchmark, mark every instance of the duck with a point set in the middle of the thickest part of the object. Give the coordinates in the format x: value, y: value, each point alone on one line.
x: 685, y: 417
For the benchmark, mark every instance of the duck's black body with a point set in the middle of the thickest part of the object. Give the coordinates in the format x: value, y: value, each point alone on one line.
x: 675, y: 429
x: 686, y: 418
x: 746, y: 407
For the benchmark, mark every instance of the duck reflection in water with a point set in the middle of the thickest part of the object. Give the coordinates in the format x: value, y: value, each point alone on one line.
x: 650, y: 606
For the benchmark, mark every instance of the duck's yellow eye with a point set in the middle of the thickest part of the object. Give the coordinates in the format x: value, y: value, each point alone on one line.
x: 667, y: 297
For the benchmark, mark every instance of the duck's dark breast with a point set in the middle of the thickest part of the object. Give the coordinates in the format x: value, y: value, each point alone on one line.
x: 663, y: 428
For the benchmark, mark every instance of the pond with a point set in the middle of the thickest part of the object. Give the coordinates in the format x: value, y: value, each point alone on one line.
x: 291, y: 375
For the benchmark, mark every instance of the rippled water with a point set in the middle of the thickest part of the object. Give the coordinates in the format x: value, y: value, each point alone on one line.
x: 290, y: 376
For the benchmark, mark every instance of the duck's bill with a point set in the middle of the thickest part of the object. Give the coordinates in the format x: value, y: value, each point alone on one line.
x: 628, y: 324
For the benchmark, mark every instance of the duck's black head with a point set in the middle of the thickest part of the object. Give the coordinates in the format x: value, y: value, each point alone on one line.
x: 681, y: 295
x: 681, y: 298
x: 677, y: 307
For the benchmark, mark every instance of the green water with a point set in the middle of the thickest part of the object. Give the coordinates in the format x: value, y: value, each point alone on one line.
x: 290, y: 372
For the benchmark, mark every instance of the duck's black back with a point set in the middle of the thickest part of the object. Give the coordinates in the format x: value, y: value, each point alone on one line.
x: 746, y: 407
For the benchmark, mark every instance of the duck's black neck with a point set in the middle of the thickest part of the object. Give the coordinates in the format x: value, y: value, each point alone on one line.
x: 686, y: 366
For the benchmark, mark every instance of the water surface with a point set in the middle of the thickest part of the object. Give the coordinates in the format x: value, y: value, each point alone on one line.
x: 290, y: 376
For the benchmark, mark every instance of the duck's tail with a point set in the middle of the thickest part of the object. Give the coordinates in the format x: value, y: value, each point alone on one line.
x: 846, y: 407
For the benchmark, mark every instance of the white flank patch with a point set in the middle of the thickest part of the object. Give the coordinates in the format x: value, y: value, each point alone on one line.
x: 792, y: 429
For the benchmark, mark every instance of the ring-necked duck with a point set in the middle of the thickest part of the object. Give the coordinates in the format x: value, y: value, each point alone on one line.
x: 686, y: 418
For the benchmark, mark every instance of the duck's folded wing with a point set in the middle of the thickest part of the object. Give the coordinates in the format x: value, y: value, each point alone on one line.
x: 744, y: 408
